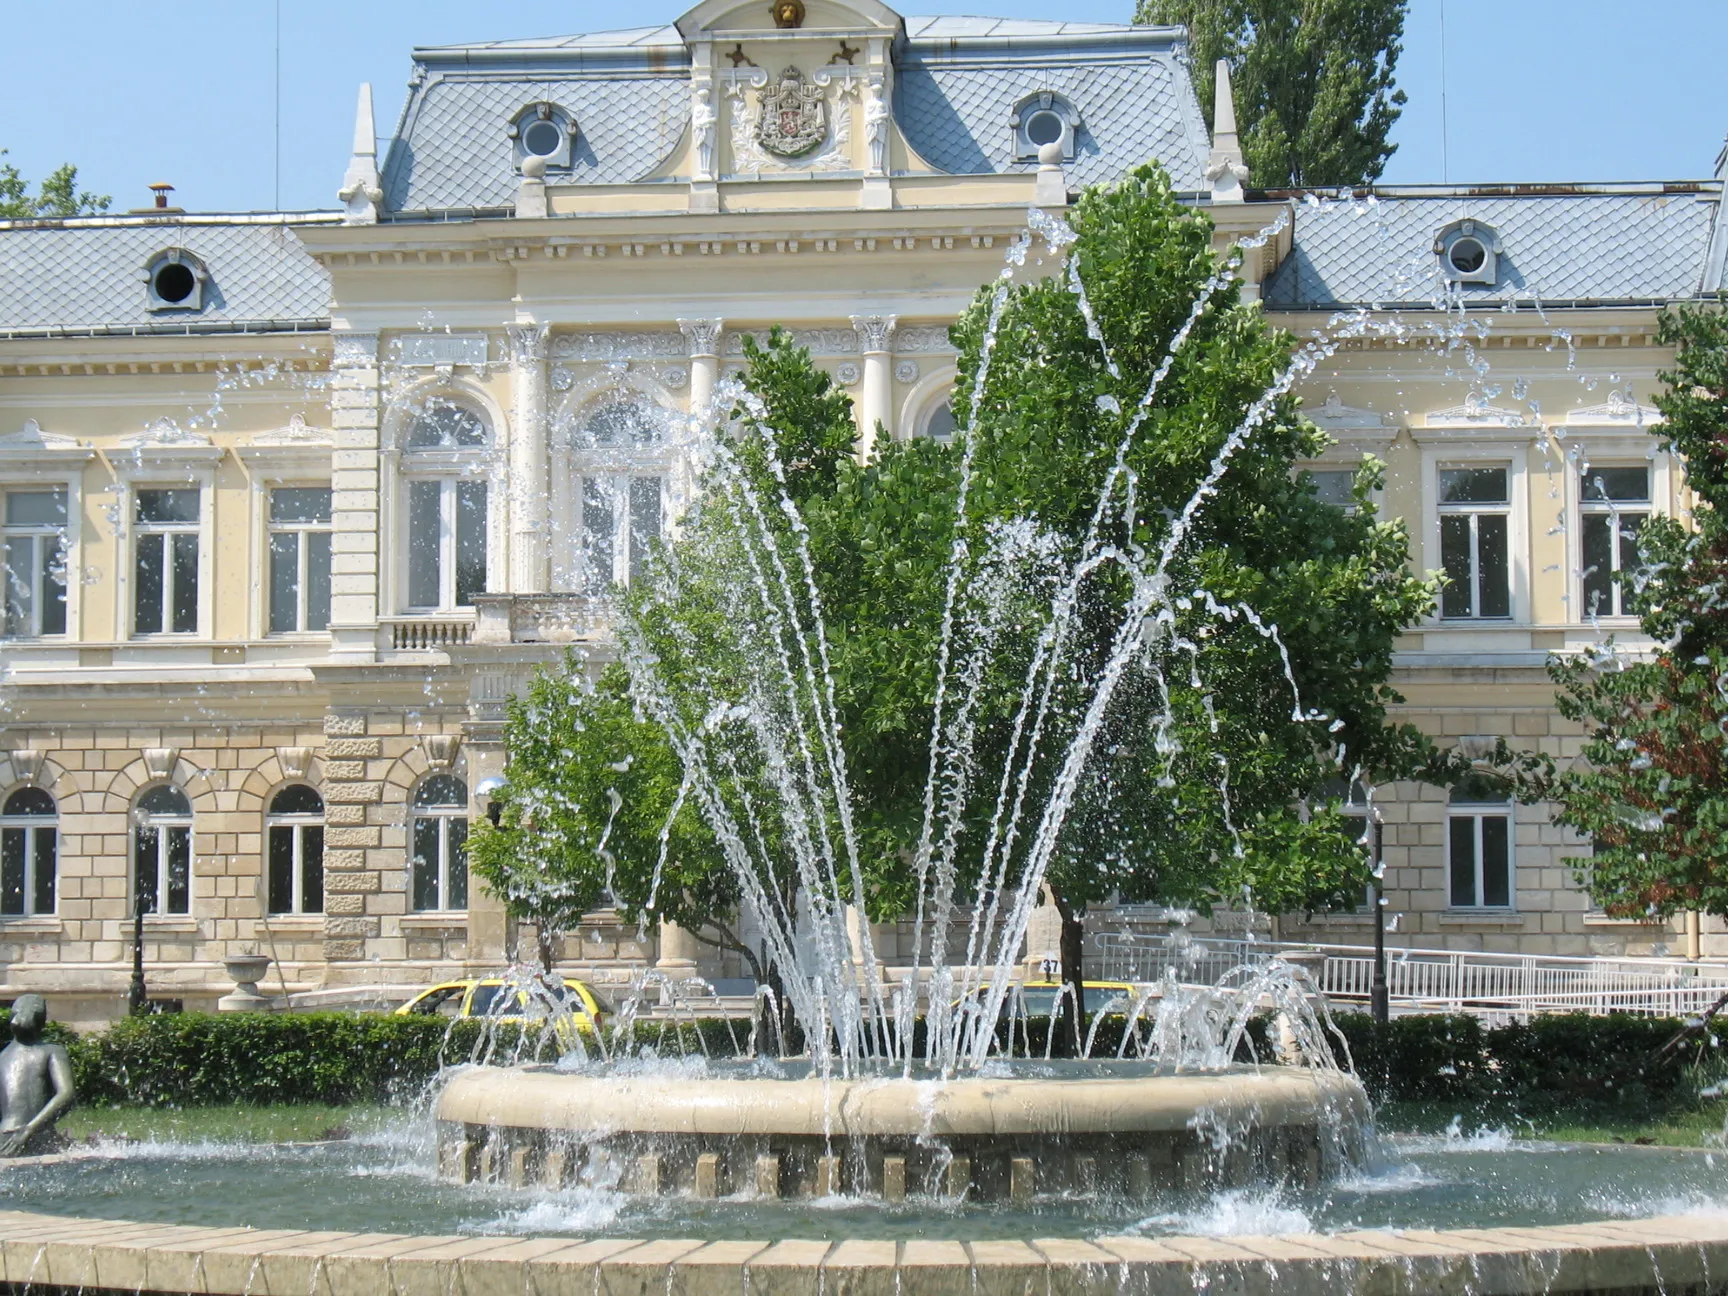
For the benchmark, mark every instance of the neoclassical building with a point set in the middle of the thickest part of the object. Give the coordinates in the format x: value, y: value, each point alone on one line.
x: 292, y: 501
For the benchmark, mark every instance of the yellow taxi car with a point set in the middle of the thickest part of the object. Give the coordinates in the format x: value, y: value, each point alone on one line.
x: 479, y: 997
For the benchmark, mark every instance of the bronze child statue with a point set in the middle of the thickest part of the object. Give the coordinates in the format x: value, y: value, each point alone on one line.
x: 35, y: 1082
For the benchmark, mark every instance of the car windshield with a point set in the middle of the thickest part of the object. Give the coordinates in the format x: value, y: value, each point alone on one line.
x: 484, y: 997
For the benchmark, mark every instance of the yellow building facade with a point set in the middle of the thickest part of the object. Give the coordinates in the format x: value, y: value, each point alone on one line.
x: 292, y: 502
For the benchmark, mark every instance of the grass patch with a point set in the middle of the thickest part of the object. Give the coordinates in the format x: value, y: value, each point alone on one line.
x: 1699, y: 1125
x: 225, y: 1123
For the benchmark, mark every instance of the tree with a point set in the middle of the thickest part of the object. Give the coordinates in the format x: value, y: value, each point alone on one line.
x: 58, y: 197
x: 1313, y: 81
x: 1651, y: 790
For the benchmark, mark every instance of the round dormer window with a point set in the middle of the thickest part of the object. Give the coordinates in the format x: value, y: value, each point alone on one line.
x: 174, y: 282
x: 1045, y: 127
x: 542, y: 138
x: 1467, y: 255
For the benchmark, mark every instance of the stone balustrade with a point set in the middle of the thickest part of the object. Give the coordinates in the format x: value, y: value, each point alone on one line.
x: 540, y: 618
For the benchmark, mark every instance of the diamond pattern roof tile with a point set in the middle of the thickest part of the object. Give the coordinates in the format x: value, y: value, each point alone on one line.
x: 77, y: 276
x: 455, y: 151
x: 957, y: 117
x: 1583, y: 247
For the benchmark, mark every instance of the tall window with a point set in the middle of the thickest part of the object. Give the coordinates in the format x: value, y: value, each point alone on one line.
x: 295, y: 828
x: 446, y: 507
x: 34, y: 539
x: 162, y: 851
x: 1475, y: 522
x: 299, y: 559
x: 1616, y: 505
x: 1479, y: 846
x: 1334, y: 486
x: 29, y: 845
x: 440, y: 844
x: 623, y: 491
x: 165, y: 569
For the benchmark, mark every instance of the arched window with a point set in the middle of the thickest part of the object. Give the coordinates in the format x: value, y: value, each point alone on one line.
x: 939, y: 422
x: 295, y: 829
x: 440, y: 844
x: 1479, y: 845
x: 162, y: 852
x: 621, y: 470
x: 444, y: 518
x: 29, y: 849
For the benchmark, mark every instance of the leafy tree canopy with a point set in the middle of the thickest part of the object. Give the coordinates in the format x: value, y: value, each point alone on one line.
x: 1651, y: 790
x: 1313, y: 80
x: 59, y: 195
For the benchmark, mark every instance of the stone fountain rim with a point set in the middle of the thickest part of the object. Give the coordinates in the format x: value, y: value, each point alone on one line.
x: 541, y: 1098
x: 119, y: 1255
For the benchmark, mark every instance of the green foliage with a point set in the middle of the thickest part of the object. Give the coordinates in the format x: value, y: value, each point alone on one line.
x: 1313, y: 81
x: 58, y: 196
x: 1652, y: 789
x: 1612, y: 1065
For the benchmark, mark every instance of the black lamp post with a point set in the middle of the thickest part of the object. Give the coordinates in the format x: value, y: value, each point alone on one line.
x: 1379, y: 1001
x: 137, y: 998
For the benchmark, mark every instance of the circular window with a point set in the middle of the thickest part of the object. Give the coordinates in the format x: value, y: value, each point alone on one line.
x: 542, y: 138
x: 174, y: 282
x: 1044, y: 127
x: 1467, y: 255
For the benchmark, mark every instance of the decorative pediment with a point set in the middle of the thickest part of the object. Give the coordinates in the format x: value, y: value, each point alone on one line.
x: 1475, y: 412
x: 32, y: 437
x: 1334, y: 415
x: 296, y: 433
x: 1616, y: 411
x: 166, y: 432
x: 768, y: 17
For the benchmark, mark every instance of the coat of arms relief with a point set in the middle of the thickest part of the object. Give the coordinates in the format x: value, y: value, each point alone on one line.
x: 797, y: 123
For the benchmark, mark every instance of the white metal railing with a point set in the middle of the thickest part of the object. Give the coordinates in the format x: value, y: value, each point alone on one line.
x: 1430, y: 980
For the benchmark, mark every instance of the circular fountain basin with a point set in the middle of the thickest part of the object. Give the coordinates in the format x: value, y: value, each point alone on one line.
x: 1125, y: 1129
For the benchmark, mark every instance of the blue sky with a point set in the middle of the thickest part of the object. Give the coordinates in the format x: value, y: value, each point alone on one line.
x: 183, y: 90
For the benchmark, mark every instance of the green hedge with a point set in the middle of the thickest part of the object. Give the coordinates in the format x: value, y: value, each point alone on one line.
x: 1614, y: 1063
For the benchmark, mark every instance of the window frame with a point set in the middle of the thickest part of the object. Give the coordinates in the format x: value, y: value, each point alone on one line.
x: 267, y: 528
x: 29, y: 469
x: 443, y: 816
x: 618, y: 468
x: 30, y: 826
x: 37, y: 533
x: 295, y: 824
x: 449, y: 467
x: 166, y: 468
x: 1612, y: 510
x: 161, y: 824
x: 1511, y: 452
x: 1589, y: 436
x: 1477, y: 812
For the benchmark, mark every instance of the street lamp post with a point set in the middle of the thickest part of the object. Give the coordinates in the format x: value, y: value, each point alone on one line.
x: 1379, y: 1002
x: 137, y: 998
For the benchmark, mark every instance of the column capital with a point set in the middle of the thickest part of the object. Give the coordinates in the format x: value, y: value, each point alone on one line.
x: 528, y: 342
x: 353, y: 350
x: 875, y: 332
x: 702, y: 336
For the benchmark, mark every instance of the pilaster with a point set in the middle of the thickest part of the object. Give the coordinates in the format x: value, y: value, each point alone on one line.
x: 876, y: 342
x: 355, y: 406
x: 529, y: 548
x: 703, y: 338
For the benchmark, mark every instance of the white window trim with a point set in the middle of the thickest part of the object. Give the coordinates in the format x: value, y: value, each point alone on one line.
x: 272, y: 466
x: 293, y: 822
x: 444, y: 814
x: 1609, y: 447
x: 934, y: 389
x: 620, y: 481
x: 436, y: 467
x: 186, y: 821
x: 1477, y: 811
x: 28, y: 823
x: 1513, y: 454
x: 11, y: 481
x: 189, y: 468
x: 262, y: 530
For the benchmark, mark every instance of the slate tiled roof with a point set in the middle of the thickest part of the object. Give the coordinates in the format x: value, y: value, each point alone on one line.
x: 957, y: 117
x: 1597, y: 247
x: 90, y: 273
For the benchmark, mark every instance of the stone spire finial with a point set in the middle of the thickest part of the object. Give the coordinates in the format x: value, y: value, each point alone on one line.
x: 1225, y: 167
x: 361, y: 191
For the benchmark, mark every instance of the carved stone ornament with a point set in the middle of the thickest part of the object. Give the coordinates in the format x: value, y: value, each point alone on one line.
x: 26, y: 764
x: 792, y: 116
x: 674, y: 376
x: 159, y: 761
x: 906, y: 371
x: 296, y: 762
x: 562, y: 379
x: 847, y: 374
x: 441, y: 749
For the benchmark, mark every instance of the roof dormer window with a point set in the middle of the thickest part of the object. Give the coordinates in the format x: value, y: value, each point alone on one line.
x: 1468, y: 251
x: 544, y: 130
x: 1040, y: 119
x: 174, y: 281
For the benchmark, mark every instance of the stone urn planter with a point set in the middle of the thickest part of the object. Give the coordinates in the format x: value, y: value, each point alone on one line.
x: 246, y: 971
